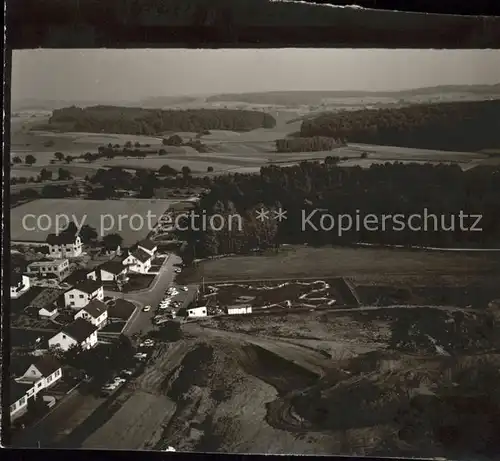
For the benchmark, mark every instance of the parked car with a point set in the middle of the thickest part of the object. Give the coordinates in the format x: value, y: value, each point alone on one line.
x: 177, y: 270
x: 127, y: 372
x: 140, y: 355
x: 185, y: 288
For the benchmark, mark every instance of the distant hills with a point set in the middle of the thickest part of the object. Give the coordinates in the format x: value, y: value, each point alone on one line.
x: 316, y: 96
x: 268, y: 97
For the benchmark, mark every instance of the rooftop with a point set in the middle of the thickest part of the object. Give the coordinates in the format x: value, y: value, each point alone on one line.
x: 148, y: 244
x: 79, y: 330
x: 95, y: 308
x: 63, y: 238
x: 113, y: 267
x: 45, y: 262
x: 87, y: 286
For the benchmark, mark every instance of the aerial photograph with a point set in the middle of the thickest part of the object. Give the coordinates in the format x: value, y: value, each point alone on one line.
x: 274, y: 251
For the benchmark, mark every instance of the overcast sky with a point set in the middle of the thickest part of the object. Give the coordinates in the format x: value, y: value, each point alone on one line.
x: 128, y: 75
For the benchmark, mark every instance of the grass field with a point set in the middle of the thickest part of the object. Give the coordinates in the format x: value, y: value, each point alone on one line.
x: 303, y: 261
x: 229, y: 151
x: 100, y: 214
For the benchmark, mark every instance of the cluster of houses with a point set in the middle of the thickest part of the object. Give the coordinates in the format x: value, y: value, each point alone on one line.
x: 84, y: 301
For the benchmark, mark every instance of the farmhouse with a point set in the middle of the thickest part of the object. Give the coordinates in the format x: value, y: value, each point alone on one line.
x: 148, y: 246
x: 197, y: 312
x: 18, y: 394
x: 138, y: 260
x: 80, y: 295
x: 110, y: 271
x: 239, y: 309
x: 64, y: 245
x: 95, y: 312
x: 79, y: 333
x: 58, y: 268
x: 19, y: 284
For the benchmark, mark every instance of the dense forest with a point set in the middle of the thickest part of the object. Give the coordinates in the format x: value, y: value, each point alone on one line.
x: 314, y: 144
x: 457, y: 126
x: 128, y: 120
x: 437, y: 194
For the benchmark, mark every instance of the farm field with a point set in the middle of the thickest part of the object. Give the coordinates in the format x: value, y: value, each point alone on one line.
x: 97, y: 213
x: 308, y: 262
x: 229, y: 152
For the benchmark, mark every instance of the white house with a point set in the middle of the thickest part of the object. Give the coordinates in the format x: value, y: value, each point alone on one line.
x: 235, y: 310
x: 64, y: 245
x: 18, y: 394
x: 95, y: 312
x: 39, y: 375
x: 80, y: 295
x: 48, y: 311
x: 59, y: 268
x: 79, y: 333
x: 110, y: 271
x: 148, y: 246
x: 42, y: 374
x: 19, y: 284
x: 197, y: 312
x: 139, y: 261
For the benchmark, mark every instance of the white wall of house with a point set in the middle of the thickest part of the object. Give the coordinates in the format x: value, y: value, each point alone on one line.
x: 47, y: 312
x: 17, y: 291
x: 239, y: 310
x: 71, y: 250
x: 63, y: 341
x: 197, y: 312
x: 99, y: 322
x: 61, y: 270
x: 18, y: 408
x: 90, y: 342
x: 77, y: 299
x: 134, y: 265
x: 92, y: 275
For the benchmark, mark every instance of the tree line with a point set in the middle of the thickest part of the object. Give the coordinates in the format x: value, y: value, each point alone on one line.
x: 148, y: 122
x: 456, y: 126
x: 383, y: 190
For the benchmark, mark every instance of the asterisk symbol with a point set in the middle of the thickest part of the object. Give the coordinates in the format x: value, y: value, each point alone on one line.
x: 280, y: 214
x: 262, y: 214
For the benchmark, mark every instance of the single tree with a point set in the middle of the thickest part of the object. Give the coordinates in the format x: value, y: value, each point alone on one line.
x: 17, y: 159
x: 88, y: 157
x: 112, y: 241
x: 64, y: 175
x: 45, y: 175
x: 210, y: 169
x: 30, y: 160
x: 68, y: 158
x: 88, y: 233
x: 59, y: 156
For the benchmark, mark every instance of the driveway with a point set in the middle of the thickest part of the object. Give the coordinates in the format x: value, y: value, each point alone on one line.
x: 142, y: 321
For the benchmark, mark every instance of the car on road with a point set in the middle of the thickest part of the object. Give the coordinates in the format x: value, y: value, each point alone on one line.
x: 185, y: 288
x: 140, y: 355
x: 146, y: 308
x: 127, y: 372
x: 177, y: 270
x: 119, y: 380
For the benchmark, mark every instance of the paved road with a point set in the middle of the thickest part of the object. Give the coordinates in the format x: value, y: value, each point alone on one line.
x: 142, y: 321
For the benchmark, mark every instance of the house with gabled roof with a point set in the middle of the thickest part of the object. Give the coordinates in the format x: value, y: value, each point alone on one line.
x: 95, y: 312
x: 138, y: 261
x: 78, y: 333
x: 64, y: 245
x: 110, y: 271
x: 42, y: 372
x: 82, y: 293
